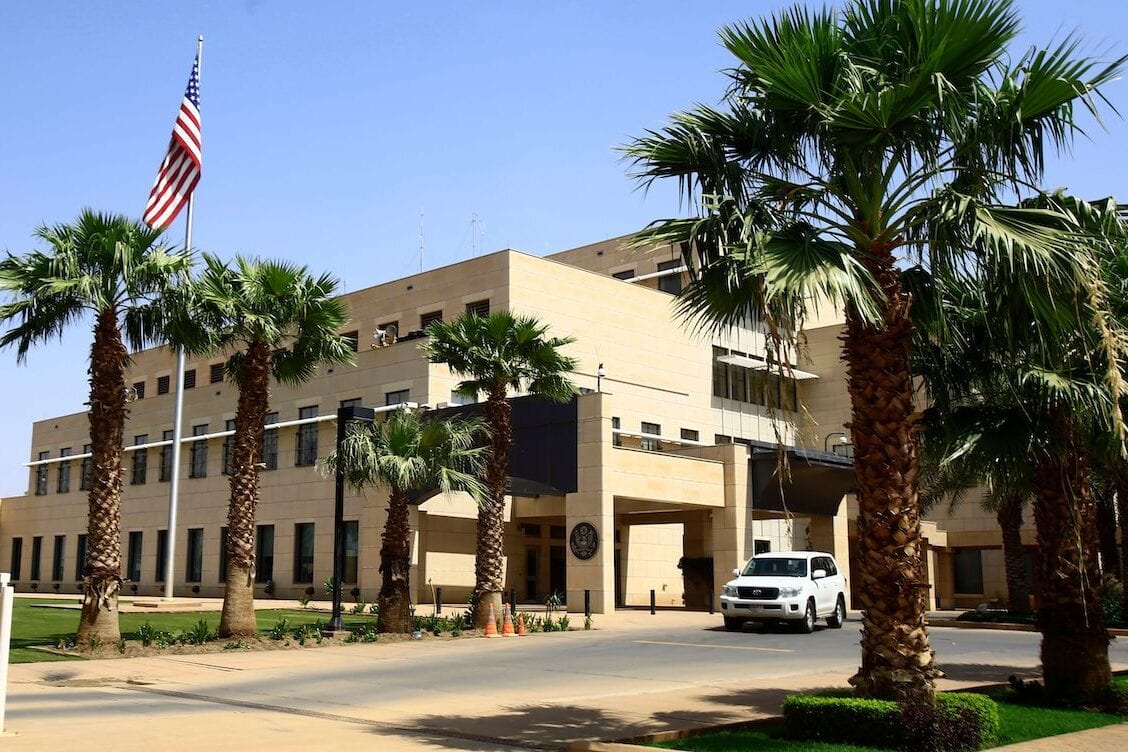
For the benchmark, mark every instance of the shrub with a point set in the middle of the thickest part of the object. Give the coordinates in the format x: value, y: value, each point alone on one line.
x: 199, y: 634
x: 146, y: 633
x: 279, y: 630
x: 1117, y: 698
x: 1112, y: 603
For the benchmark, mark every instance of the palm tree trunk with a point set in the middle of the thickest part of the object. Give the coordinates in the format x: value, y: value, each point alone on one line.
x: 1009, y: 516
x: 99, y: 621
x: 1122, y: 512
x: 1074, y: 641
x: 491, y: 514
x: 394, y: 613
x: 897, y: 660
x: 238, y: 617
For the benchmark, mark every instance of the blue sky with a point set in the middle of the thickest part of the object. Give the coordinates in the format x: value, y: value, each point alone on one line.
x: 326, y: 132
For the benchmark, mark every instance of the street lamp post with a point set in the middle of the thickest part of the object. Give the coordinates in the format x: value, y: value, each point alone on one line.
x: 345, y: 415
x: 842, y: 439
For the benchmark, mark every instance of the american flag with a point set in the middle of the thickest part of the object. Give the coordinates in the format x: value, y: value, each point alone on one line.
x: 180, y: 170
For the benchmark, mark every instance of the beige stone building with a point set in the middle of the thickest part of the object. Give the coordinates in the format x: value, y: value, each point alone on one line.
x: 669, y: 454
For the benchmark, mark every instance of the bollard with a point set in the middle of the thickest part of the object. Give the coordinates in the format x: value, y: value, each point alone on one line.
x: 587, y: 604
x: 652, y: 609
x: 438, y: 601
x: 5, y: 639
x: 711, y: 603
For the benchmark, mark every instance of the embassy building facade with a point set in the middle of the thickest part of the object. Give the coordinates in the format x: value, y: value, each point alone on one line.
x: 661, y: 475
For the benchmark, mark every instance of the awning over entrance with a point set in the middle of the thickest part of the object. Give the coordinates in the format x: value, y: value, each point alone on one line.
x: 817, y: 482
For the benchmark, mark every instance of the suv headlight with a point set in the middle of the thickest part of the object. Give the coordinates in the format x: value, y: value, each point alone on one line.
x: 729, y: 590
x: 790, y: 592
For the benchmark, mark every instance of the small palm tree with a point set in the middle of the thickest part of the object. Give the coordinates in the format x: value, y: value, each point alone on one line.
x: 116, y: 270
x: 273, y: 320
x: 494, y: 354
x: 409, y: 454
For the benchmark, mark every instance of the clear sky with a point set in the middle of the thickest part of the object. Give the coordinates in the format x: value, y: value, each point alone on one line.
x: 329, y: 127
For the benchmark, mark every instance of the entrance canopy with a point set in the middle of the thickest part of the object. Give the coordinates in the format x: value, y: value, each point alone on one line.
x: 814, y: 482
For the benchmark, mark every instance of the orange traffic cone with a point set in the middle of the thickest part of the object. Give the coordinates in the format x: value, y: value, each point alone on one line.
x: 491, y: 624
x: 507, y: 625
x: 521, y: 631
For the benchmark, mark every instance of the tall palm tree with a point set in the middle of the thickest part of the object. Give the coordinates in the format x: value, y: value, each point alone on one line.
x: 273, y: 320
x: 408, y: 453
x: 494, y: 354
x: 853, y: 144
x: 116, y: 270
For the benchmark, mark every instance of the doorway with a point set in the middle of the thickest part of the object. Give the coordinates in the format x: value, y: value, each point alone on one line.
x: 557, y: 567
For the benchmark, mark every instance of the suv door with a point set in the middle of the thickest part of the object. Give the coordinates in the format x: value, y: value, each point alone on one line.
x: 826, y: 589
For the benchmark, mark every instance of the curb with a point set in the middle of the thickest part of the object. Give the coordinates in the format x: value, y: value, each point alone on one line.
x: 1003, y: 626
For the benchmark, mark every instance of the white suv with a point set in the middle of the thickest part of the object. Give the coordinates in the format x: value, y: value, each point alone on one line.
x: 797, y: 586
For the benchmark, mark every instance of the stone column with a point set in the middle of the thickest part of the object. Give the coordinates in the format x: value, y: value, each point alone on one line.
x: 730, y: 524
x: 831, y: 534
x: 594, y: 503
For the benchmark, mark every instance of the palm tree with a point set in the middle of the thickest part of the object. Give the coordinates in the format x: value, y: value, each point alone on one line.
x: 852, y: 145
x: 494, y: 354
x: 409, y: 454
x: 273, y: 320
x: 116, y: 270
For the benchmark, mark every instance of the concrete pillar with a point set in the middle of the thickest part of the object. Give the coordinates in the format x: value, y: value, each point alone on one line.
x: 730, y: 524
x: 594, y: 503
x: 831, y: 534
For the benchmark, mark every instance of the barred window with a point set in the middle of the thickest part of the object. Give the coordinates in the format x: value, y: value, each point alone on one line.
x: 140, y: 468
x: 479, y: 308
x: 87, y: 468
x: 270, y: 443
x: 190, y: 379
x: 199, y: 460
x: 228, y: 444
x: 139, y: 389
x: 307, y: 438
x: 216, y: 373
x: 166, y: 458
x: 430, y: 318
x: 162, y: 385
x: 41, y: 476
x: 63, y: 485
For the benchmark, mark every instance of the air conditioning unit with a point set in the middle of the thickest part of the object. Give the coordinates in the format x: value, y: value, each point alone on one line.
x: 441, y: 405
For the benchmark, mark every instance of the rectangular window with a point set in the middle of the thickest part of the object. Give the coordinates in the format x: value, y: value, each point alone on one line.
x: 461, y: 398
x: 352, y: 551
x: 63, y: 485
x: 36, y: 551
x: 190, y: 378
x: 162, y: 554
x: 671, y: 283
x: 270, y: 443
x: 967, y: 564
x: 761, y: 547
x: 140, y: 470
x: 80, y: 560
x: 223, y: 554
x: 17, y: 558
x: 264, y: 553
x: 354, y: 402
x: 353, y: 340
x: 741, y: 383
x: 133, y: 570
x: 139, y: 389
x: 303, y: 552
x: 616, y: 439
x: 41, y: 476
x: 194, y: 556
x: 166, y: 458
x: 162, y: 385
x: 215, y: 373
x: 479, y: 308
x: 307, y: 438
x: 430, y: 318
x: 57, y: 558
x: 720, y: 374
x: 87, y: 467
x: 720, y: 438
x: 650, y: 444
x: 397, y: 397
x: 199, y: 458
x: 625, y: 274
x: 228, y: 443
x: 689, y: 434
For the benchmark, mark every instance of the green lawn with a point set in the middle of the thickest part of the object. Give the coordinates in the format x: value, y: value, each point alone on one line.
x: 1018, y: 723
x: 46, y: 626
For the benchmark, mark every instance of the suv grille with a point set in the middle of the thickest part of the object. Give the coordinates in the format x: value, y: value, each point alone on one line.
x: 760, y: 593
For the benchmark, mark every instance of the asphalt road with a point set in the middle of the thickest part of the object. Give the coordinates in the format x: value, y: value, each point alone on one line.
x: 674, y: 670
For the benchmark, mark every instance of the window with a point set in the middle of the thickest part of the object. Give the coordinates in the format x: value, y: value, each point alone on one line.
x: 625, y: 274
x: 194, y: 556
x: 264, y: 553
x: 352, y: 551
x: 36, y: 550
x: 133, y: 568
x: 761, y: 547
x: 190, y: 379
x: 303, y: 552
x: 689, y: 434
x: 397, y: 397
x: 80, y: 559
x: 162, y: 385
x: 41, y: 476
x: 616, y: 439
x: 215, y: 372
x: 307, y: 438
x: 479, y: 308
x: 87, y: 467
x: 228, y: 443
x: 17, y: 558
x: 166, y: 458
x: 430, y: 318
x: 139, y: 389
x: 199, y: 459
x: 354, y: 402
x: 162, y: 554
x: 223, y: 554
x: 671, y: 283
x: 270, y: 442
x: 462, y: 398
x: 720, y: 438
x: 650, y: 444
x: 57, y: 557
x: 63, y: 485
x: 967, y: 564
x: 352, y: 340
x: 140, y: 468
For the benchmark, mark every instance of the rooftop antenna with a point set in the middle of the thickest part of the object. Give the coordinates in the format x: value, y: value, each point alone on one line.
x: 421, y: 243
x: 474, y: 224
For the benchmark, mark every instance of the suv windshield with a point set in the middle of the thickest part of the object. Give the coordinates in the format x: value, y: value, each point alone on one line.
x: 776, y: 567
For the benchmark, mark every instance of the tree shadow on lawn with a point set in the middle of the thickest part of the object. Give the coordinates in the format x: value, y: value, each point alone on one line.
x: 988, y: 673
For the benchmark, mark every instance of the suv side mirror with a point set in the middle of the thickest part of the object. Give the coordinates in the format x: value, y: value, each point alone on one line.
x: 736, y: 573
x: 818, y: 574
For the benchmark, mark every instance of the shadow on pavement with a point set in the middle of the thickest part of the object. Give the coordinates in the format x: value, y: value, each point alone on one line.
x: 987, y: 673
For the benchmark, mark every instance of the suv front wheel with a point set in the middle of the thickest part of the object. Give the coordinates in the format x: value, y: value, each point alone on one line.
x: 732, y: 624
x: 808, y: 624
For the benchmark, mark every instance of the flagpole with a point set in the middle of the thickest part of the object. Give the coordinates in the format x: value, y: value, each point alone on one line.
x: 178, y: 409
